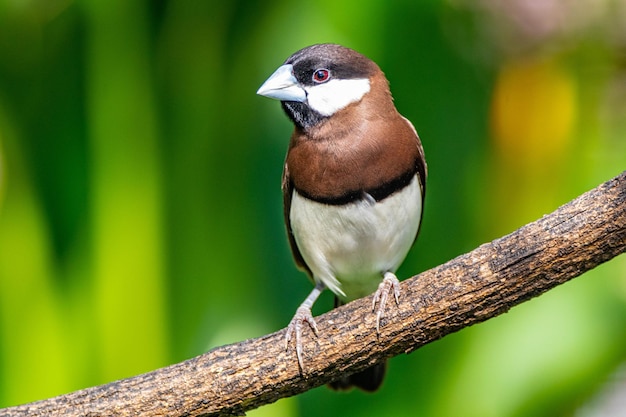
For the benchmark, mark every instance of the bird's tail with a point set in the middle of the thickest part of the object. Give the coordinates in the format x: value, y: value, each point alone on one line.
x: 368, y: 380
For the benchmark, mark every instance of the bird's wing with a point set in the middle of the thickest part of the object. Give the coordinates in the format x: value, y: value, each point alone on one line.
x: 422, y: 169
x: 287, y: 187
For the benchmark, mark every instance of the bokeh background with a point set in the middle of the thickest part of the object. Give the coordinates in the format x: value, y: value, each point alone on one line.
x: 140, y: 203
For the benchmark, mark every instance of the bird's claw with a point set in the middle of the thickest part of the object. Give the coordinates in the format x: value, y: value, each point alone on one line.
x: 303, y: 315
x: 389, y: 283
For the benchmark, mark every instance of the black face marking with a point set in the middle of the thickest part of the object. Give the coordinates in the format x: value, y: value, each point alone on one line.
x: 301, y: 114
x: 343, y: 63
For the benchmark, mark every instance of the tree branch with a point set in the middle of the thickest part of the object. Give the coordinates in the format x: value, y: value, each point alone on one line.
x: 466, y: 290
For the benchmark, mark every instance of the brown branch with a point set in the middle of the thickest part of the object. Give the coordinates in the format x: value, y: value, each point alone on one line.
x: 466, y: 290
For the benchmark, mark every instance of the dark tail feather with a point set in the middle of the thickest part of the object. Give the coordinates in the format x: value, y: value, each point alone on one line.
x: 368, y: 380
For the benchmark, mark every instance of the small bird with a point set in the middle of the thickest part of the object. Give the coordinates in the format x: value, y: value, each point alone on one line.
x: 353, y: 183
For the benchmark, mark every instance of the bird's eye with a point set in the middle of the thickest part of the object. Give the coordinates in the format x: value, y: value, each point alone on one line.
x: 321, y: 75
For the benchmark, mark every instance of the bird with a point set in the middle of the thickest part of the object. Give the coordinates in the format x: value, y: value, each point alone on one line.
x: 353, y: 184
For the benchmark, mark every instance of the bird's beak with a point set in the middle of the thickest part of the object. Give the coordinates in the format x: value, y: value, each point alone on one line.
x: 283, y: 86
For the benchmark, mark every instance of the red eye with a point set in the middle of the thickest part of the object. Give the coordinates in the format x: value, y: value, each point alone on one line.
x: 321, y: 75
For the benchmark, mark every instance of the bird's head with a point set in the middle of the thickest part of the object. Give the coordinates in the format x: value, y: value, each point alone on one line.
x: 318, y: 81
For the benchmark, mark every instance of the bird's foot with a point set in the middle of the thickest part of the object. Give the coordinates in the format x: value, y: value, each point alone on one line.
x: 390, y: 283
x: 303, y: 315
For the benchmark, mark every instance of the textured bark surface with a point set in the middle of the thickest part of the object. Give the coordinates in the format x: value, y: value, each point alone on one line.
x: 466, y: 290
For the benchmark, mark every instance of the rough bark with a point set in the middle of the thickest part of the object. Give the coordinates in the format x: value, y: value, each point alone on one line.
x: 469, y: 289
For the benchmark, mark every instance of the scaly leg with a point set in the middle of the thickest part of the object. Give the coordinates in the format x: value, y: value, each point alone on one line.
x: 390, y: 283
x: 303, y: 315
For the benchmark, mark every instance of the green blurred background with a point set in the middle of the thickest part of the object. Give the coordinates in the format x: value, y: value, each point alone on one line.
x: 140, y: 203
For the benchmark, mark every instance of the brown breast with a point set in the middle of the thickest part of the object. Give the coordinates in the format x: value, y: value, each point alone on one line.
x: 366, y: 147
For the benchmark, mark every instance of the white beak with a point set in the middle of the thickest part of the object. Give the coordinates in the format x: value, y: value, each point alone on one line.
x: 283, y: 86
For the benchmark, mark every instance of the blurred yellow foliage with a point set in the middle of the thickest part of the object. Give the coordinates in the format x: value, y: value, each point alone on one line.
x: 533, y: 109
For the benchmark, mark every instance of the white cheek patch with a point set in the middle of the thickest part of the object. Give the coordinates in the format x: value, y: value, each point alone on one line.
x: 328, y: 98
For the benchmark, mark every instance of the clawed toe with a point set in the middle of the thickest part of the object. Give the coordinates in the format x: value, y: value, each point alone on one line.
x: 303, y: 315
x: 389, y: 283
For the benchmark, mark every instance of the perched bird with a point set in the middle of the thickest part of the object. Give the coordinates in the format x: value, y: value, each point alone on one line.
x: 353, y: 183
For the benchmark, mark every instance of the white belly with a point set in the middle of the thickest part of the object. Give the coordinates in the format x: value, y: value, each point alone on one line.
x: 349, y: 247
